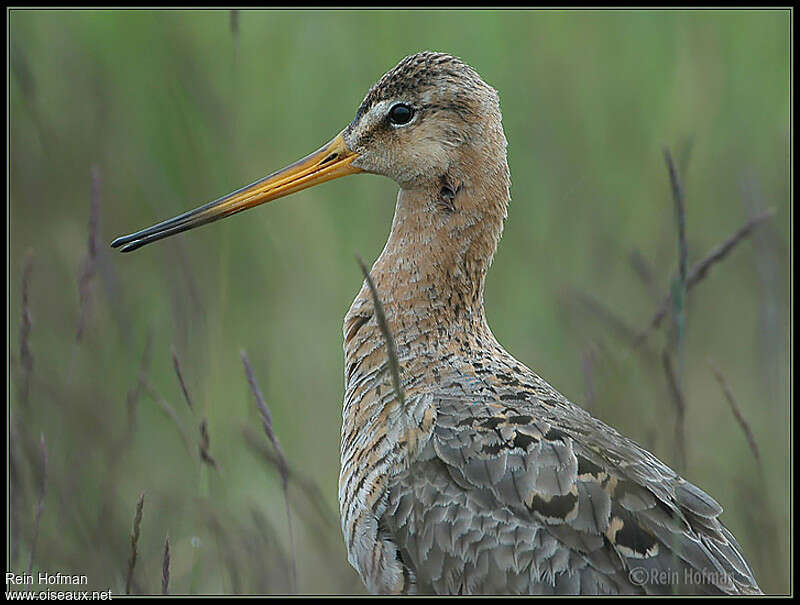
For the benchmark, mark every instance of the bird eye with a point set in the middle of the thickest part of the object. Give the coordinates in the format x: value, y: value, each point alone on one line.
x: 401, y: 114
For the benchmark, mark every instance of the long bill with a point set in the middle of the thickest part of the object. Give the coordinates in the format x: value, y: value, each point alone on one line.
x: 330, y: 162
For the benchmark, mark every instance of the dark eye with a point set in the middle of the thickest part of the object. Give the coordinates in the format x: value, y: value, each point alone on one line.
x: 401, y: 114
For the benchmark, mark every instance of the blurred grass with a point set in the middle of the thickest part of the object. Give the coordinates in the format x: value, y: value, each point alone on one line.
x: 176, y: 108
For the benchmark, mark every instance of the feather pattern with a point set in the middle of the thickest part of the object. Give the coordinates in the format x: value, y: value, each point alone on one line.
x: 485, y: 479
x: 510, y: 488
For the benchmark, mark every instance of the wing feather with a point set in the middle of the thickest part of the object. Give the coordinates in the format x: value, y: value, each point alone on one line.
x: 539, y: 497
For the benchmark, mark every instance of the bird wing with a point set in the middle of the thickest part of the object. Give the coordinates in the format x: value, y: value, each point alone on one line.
x: 524, y: 495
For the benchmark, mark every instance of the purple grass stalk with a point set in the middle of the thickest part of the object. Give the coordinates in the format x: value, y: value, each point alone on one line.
x: 137, y: 524
x: 135, y: 392
x: 603, y: 312
x: 394, y: 363
x: 679, y: 400
x: 185, y: 390
x: 165, y: 568
x: 39, y: 505
x: 25, y: 355
x: 159, y: 399
x: 303, y: 482
x: 679, y: 198
x: 768, y: 261
x: 700, y: 269
x: 283, y: 467
x: 90, y: 263
x: 737, y: 413
x: 235, y: 23
x: 205, y: 445
x: 14, y: 490
x: 645, y: 272
x: 679, y: 306
x: 227, y: 551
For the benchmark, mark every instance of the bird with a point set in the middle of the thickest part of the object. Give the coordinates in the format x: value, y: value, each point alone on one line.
x: 471, y: 474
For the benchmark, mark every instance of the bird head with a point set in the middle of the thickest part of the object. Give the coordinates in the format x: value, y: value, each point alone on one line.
x: 422, y: 119
x: 429, y: 117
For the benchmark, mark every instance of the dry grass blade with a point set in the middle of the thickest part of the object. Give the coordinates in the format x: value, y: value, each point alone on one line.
x: 235, y: 23
x: 737, y: 413
x: 679, y: 289
x: 394, y: 364
x: 165, y: 568
x: 235, y: 33
x: 283, y: 467
x: 137, y: 524
x: 302, y: 481
x: 227, y: 549
x: 25, y: 355
x: 15, y: 489
x: 680, y: 211
x: 20, y: 67
x: 90, y: 263
x: 266, y: 418
x: 770, y: 263
x: 617, y: 325
x: 270, y: 547
x: 603, y: 312
x: 205, y: 445
x: 39, y: 505
x: 185, y: 390
x: 645, y: 272
x: 135, y: 393
x: 680, y: 408
x: 153, y: 393
x: 700, y: 269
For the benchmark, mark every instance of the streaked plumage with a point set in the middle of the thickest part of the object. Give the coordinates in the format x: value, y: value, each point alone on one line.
x: 486, y: 480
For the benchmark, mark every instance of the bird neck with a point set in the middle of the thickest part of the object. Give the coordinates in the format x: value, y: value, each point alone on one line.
x: 430, y: 276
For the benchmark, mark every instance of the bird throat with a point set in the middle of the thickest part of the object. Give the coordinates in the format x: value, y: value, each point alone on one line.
x: 430, y: 276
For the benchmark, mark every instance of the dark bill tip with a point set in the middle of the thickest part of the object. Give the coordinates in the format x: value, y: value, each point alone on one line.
x: 330, y: 161
x: 120, y: 241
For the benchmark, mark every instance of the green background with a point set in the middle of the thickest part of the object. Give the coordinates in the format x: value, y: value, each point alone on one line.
x: 176, y: 108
